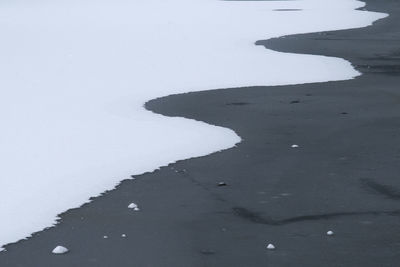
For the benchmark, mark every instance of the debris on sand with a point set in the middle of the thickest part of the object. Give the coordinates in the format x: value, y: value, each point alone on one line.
x: 133, y: 206
x: 222, y: 184
x: 270, y: 246
x: 60, y: 250
x: 330, y: 233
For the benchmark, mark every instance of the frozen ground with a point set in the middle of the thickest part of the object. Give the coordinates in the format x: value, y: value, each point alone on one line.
x: 74, y: 76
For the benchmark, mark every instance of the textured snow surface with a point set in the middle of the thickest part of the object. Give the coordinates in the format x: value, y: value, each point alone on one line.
x: 74, y: 76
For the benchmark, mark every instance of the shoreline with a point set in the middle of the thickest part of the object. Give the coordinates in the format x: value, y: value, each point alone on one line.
x: 274, y: 194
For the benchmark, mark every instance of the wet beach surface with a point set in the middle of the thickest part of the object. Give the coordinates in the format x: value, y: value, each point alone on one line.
x: 343, y: 176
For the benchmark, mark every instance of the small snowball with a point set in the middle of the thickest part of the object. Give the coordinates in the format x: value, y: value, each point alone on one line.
x: 295, y: 146
x: 60, y: 250
x: 270, y: 246
x: 133, y: 206
x: 329, y: 233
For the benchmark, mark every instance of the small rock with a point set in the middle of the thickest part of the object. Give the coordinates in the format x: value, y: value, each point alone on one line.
x: 60, y: 250
x: 105, y: 237
x: 295, y: 102
x: 330, y: 233
x: 270, y: 246
x: 207, y: 252
x: 295, y: 146
x: 123, y: 235
x: 133, y: 206
x: 222, y: 184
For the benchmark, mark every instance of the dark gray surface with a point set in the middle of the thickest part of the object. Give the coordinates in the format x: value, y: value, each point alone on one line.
x: 345, y: 176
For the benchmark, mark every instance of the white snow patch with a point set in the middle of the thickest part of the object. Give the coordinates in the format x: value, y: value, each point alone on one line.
x: 60, y: 250
x: 74, y: 76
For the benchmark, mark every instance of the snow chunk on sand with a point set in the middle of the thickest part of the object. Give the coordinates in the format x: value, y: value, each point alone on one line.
x: 60, y: 250
x: 133, y: 206
x: 271, y: 246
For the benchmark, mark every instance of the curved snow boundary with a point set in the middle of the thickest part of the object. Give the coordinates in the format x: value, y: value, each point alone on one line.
x: 75, y: 75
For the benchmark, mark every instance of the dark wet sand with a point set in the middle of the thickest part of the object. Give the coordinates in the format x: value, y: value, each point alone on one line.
x: 344, y: 177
